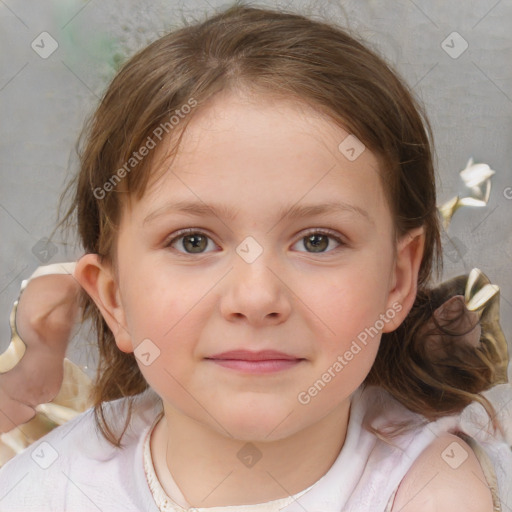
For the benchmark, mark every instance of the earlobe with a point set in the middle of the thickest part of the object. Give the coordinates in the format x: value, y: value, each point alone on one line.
x: 98, y: 280
x: 405, y: 283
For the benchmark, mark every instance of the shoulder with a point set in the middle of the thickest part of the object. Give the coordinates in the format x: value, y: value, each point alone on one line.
x: 34, y: 479
x: 56, y: 470
x: 446, y: 476
x: 68, y: 438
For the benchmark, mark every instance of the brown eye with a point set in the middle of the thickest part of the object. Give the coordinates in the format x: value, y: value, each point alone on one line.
x: 320, y: 241
x: 190, y: 242
x: 194, y: 243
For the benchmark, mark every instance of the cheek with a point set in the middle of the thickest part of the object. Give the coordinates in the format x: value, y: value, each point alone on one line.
x: 350, y: 310
x: 348, y: 304
x: 166, y: 356
x: 155, y: 304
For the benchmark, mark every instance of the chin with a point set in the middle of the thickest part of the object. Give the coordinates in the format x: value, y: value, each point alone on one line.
x: 253, y: 424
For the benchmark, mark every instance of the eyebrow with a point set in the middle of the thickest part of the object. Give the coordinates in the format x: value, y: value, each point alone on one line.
x: 200, y: 209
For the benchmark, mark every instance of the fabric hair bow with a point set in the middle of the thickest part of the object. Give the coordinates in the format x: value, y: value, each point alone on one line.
x: 468, y: 318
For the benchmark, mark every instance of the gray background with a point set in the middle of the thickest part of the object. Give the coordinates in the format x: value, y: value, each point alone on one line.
x: 44, y: 103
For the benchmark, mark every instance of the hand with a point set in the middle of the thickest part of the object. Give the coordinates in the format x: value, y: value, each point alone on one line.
x: 45, y: 317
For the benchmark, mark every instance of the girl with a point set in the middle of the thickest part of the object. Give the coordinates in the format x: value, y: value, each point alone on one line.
x: 257, y: 206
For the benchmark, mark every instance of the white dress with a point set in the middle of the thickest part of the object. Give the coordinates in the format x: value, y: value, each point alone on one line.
x: 74, y: 469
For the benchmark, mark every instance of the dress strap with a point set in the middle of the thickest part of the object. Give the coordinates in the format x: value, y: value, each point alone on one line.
x: 389, y: 506
x: 487, y: 468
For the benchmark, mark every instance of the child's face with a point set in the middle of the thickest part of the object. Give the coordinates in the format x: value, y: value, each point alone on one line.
x: 201, y: 297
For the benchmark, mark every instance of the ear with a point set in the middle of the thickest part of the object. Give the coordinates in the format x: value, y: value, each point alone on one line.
x: 99, y: 281
x: 404, y: 282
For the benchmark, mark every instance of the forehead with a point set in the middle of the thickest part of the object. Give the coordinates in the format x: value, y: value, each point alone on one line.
x: 252, y: 153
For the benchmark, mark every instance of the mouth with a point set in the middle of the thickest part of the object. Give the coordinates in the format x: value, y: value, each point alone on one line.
x: 265, y: 361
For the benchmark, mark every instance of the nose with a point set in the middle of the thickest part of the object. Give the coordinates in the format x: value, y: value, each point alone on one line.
x: 256, y: 292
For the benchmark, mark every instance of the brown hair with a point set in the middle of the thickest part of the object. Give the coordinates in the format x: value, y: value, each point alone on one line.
x: 318, y: 64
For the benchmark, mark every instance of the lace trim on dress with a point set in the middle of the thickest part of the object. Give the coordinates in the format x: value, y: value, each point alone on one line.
x: 166, y: 504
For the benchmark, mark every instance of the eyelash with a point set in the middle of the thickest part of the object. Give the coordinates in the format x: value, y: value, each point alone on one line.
x: 192, y: 231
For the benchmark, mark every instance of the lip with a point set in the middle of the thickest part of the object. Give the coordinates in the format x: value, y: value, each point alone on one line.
x: 261, y: 362
x: 248, y: 355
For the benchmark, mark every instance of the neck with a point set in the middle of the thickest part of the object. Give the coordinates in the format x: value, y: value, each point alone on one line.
x: 213, y: 470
